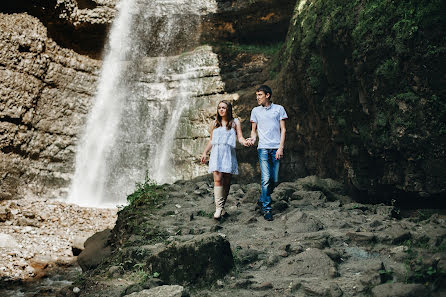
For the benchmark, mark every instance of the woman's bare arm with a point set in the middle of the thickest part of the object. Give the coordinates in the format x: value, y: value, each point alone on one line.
x: 208, y: 146
x: 238, y: 130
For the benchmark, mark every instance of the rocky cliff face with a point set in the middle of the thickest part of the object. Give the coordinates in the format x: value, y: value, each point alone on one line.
x: 46, y: 93
x: 365, y: 85
x: 80, y: 25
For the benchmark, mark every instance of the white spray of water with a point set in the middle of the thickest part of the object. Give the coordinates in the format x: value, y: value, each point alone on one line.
x: 88, y: 181
x: 135, y: 114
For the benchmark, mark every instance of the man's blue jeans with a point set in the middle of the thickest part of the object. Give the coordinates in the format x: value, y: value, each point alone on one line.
x: 269, y: 168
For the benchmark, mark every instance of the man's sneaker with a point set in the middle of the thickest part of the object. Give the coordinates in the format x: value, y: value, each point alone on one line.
x: 268, y: 215
x: 259, y: 207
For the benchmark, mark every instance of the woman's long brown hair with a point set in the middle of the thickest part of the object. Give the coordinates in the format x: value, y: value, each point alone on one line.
x: 228, y: 112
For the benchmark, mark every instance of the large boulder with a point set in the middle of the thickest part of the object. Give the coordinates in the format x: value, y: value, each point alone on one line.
x: 96, y: 250
x: 202, y: 259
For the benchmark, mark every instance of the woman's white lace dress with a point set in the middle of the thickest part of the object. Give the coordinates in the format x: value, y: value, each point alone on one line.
x: 223, y: 157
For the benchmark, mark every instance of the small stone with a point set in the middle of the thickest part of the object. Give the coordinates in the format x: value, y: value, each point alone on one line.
x: 263, y: 286
x: 7, y: 241
x: 284, y: 254
x: 398, y: 249
x: 361, y: 237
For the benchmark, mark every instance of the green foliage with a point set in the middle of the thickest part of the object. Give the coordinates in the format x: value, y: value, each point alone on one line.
x: 394, y: 22
x: 408, y: 97
x: 139, y: 275
x: 341, y: 122
x: 147, y: 193
x: 315, y: 72
x: 419, y: 271
x: 309, y: 33
x: 423, y: 215
x: 202, y: 213
x: 438, y: 107
x: 381, y: 119
x: 425, y: 274
x: 378, y: 32
x: 389, y: 69
x: 399, y: 112
x: 135, y: 218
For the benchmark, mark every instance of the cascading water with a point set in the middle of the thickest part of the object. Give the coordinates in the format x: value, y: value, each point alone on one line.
x: 143, y: 89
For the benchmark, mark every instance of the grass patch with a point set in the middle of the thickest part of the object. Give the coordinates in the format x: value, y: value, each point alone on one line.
x: 202, y: 213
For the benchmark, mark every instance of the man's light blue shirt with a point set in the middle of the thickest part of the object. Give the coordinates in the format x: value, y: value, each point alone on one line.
x: 268, y: 124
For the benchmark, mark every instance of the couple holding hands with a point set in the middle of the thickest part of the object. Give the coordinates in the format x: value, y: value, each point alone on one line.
x: 268, y: 121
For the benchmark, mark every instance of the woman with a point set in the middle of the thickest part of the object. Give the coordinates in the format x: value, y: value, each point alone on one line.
x: 223, y: 162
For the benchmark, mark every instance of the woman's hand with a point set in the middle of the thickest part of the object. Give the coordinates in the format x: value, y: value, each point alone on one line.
x: 203, y: 158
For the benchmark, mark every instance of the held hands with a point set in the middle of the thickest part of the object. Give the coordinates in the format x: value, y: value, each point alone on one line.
x: 249, y: 141
x: 245, y: 142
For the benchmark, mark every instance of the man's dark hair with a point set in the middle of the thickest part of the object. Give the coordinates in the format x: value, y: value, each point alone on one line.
x: 265, y: 89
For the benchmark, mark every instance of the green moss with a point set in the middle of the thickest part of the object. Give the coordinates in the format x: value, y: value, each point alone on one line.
x: 309, y: 33
x: 439, y: 110
x: 389, y: 69
x: 315, y: 72
x: 342, y: 123
x: 404, y: 18
x: 391, y: 53
x: 381, y: 119
x: 408, y: 97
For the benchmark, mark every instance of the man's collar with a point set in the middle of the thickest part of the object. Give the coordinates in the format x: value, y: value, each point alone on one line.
x: 268, y: 107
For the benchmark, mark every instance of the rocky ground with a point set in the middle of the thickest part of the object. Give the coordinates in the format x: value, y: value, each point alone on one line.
x: 321, y: 243
x: 39, y: 234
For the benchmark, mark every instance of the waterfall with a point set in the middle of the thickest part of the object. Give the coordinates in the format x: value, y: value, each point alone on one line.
x: 149, y: 74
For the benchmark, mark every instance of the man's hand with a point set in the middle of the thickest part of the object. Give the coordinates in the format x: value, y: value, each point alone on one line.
x: 279, y: 153
x: 250, y: 141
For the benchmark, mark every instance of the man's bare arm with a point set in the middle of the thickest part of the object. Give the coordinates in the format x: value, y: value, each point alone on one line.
x: 279, y: 153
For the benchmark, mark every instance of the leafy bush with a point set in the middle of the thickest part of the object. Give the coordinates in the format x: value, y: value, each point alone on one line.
x: 147, y: 193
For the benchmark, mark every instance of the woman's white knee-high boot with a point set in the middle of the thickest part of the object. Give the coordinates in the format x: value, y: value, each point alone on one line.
x: 219, y: 201
x: 225, y: 197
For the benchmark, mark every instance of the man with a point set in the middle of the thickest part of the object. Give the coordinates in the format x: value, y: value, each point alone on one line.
x: 268, y: 120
